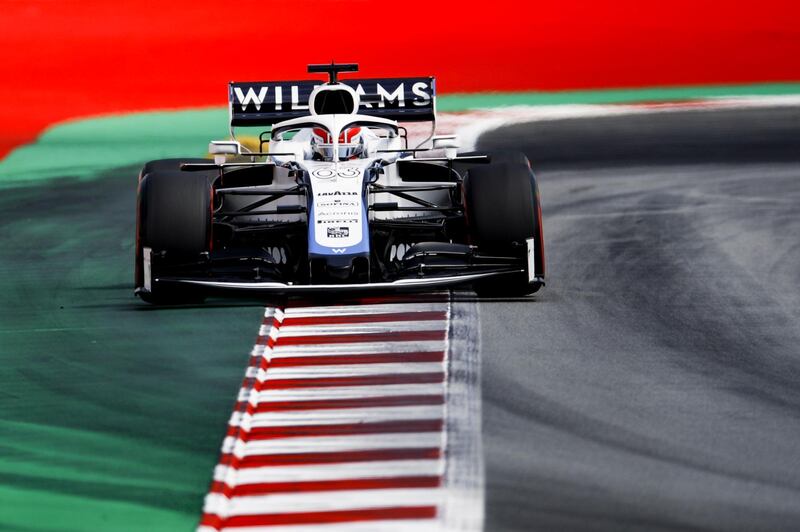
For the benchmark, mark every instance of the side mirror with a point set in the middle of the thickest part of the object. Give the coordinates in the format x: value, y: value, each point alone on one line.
x: 224, y: 147
x: 449, y: 143
x: 220, y: 148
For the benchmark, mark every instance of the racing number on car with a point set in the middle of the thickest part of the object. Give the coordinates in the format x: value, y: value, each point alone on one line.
x: 349, y: 172
x: 328, y: 173
x: 323, y: 173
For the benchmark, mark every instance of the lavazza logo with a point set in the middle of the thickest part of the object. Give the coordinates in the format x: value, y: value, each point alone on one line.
x: 289, y: 96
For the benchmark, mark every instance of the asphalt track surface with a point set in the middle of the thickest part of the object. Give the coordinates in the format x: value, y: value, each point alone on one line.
x: 652, y: 385
x: 655, y: 383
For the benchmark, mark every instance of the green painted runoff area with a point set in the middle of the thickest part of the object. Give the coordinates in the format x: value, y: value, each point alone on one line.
x: 111, y: 411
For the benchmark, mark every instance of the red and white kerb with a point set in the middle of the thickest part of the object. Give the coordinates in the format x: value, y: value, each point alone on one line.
x: 340, y: 424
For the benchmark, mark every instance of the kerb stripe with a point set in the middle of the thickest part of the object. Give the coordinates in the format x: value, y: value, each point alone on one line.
x: 263, y: 488
x: 341, y: 516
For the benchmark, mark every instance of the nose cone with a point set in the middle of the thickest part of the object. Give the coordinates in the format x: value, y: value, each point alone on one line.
x: 340, y: 269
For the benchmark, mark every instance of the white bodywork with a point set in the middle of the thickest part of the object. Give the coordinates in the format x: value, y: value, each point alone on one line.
x: 338, y: 208
x: 344, y: 176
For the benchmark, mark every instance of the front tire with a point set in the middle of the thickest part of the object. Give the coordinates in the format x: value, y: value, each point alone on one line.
x: 503, y: 212
x: 174, y: 220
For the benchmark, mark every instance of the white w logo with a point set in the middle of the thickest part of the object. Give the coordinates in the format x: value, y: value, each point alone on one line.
x: 251, y: 96
x: 339, y: 250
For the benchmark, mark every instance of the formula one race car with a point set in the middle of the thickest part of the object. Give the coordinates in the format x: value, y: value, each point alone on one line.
x: 339, y: 202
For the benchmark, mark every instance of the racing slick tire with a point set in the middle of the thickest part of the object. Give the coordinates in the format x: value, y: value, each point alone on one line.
x: 503, y: 212
x: 174, y: 218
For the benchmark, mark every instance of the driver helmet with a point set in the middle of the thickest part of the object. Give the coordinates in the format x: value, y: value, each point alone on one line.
x: 351, y: 144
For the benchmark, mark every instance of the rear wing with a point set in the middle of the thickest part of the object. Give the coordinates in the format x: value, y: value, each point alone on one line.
x: 263, y: 103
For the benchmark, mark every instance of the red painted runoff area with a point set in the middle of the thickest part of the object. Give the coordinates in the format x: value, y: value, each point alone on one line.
x: 62, y: 60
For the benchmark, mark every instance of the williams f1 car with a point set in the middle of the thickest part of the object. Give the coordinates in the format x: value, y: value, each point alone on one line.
x: 335, y: 199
